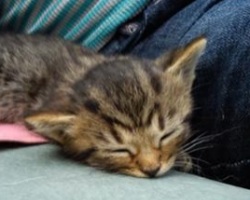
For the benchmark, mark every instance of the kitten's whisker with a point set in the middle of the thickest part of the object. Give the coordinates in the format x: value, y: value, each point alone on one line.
x: 196, y: 108
x: 199, y: 160
x: 217, y: 134
x: 197, y: 140
x: 187, y: 148
x: 206, y: 138
x: 182, y: 164
x: 202, y: 148
x: 201, y: 139
x: 198, y: 137
x: 227, y: 130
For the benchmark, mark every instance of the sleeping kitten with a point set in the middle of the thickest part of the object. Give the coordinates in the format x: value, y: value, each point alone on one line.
x: 117, y: 113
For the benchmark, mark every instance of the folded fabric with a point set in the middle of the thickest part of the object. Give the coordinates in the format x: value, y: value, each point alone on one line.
x: 18, y: 133
x: 88, y: 22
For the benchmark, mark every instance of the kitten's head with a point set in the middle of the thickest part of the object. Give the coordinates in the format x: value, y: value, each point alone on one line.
x: 132, y: 113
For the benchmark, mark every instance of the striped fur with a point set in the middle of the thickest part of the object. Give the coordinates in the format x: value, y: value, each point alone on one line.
x: 120, y: 113
x: 89, y: 22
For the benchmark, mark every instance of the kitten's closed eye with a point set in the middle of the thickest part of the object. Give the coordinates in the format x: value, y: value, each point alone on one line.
x: 167, y: 135
x: 121, y: 151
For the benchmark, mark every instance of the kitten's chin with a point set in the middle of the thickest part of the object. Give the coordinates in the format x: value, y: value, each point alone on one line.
x: 135, y: 173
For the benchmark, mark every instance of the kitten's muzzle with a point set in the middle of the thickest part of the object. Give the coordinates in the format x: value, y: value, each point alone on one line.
x: 152, y: 172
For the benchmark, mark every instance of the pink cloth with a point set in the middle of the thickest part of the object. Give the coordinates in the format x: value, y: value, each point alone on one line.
x: 19, y: 133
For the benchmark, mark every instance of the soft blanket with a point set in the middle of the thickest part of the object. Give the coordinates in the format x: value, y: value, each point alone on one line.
x: 19, y: 133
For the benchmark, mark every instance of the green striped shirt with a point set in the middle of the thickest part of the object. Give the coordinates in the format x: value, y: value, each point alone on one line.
x: 89, y: 22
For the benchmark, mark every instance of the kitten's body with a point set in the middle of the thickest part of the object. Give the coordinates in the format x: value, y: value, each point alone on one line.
x: 36, y: 72
x: 117, y: 113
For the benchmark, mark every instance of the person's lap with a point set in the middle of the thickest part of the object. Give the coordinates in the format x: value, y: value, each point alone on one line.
x: 221, y: 91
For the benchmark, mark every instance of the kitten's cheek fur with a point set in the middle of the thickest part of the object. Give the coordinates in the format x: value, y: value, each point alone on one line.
x: 165, y: 167
x: 188, y: 163
x: 186, y: 159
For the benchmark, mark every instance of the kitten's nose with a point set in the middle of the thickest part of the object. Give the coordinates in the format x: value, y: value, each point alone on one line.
x: 152, y: 172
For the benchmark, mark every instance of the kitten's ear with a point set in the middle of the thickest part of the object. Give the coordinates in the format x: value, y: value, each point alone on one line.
x: 182, y: 61
x: 51, y: 125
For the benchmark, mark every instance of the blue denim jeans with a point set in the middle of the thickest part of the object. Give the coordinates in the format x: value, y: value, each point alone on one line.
x: 222, y: 87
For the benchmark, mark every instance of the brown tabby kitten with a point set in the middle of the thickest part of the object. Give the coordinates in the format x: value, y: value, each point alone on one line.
x: 118, y: 113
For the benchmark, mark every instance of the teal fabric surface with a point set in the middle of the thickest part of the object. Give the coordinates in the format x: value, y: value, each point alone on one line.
x: 41, y: 173
x: 88, y: 22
